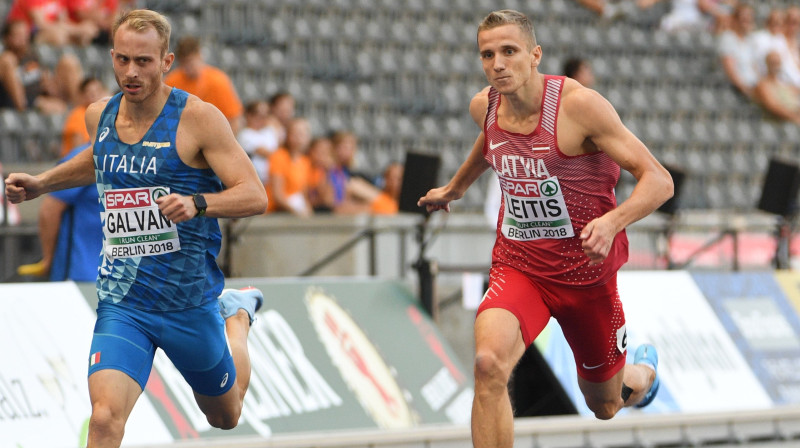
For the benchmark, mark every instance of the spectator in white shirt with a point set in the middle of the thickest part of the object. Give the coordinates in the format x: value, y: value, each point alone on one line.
x: 258, y: 138
x: 737, y: 51
x: 772, y: 39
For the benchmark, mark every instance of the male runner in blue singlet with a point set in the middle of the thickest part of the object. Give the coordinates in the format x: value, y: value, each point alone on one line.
x: 166, y: 164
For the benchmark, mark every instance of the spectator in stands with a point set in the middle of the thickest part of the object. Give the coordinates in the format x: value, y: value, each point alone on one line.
x: 290, y: 172
x: 74, y: 132
x: 738, y: 51
x: 689, y: 14
x: 609, y: 10
x: 791, y: 31
x: 100, y: 13
x: 320, y: 188
x: 282, y: 107
x: 345, y: 148
x: 209, y: 83
x: 388, y: 202
x: 25, y: 83
x: 772, y: 39
x: 50, y: 23
x: 70, y: 234
x: 777, y: 96
x: 259, y: 137
x: 580, y: 70
x: 364, y: 197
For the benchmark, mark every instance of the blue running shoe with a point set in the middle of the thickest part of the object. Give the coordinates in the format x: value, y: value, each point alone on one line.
x: 646, y: 354
x: 249, y: 299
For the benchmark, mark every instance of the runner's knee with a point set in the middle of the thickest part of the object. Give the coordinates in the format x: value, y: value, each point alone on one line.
x: 490, y: 369
x: 105, y: 423
x: 604, y: 409
x: 224, y: 420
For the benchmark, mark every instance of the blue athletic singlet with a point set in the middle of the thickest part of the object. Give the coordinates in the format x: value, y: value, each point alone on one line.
x: 148, y: 262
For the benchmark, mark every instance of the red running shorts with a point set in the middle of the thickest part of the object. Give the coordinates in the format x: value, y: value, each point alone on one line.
x: 592, y: 318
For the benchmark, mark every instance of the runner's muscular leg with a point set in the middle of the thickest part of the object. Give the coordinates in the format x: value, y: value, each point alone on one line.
x: 498, y: 348
x: 605, y: 399
x: 223, y: 411
x: 113, y: 394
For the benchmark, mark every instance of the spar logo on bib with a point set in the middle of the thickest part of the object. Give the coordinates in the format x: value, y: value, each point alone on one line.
x: 131, y: 198
x: 134, y: 197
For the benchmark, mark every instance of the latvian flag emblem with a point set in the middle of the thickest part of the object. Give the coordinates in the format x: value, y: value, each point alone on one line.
x: 94, y: 359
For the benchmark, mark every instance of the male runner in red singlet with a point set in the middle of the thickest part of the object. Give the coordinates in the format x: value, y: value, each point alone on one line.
x: 557, y: 148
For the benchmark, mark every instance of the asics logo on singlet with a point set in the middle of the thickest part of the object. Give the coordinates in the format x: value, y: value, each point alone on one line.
x: 103, y: 134
x: 493, y: 145
x: 224, y: 380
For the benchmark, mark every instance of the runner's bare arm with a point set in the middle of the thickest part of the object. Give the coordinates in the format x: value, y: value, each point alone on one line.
x: 602, y: 125
x: 470, y: 170
x: 204, y: 127
x: 609, y: 134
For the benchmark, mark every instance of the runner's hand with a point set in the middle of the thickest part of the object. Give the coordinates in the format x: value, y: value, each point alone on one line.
x: 177, y: 208
x: 22, y: 187
x: 436, y: 199
x: 597, y: 238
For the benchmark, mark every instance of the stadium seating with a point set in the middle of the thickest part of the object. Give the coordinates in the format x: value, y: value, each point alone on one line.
x: 401, y: 74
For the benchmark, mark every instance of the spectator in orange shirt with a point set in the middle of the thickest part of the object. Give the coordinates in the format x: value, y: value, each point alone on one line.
x: 209, y: 83
x: 388, y: 201
x: 74, y: 133
x: 290, y: 172
x: 320, y: 188
x: 281, y: 105
x: 363, y: 197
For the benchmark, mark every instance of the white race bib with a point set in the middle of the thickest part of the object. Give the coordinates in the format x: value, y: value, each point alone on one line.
x: 134, y: 226
x: 534, y: 209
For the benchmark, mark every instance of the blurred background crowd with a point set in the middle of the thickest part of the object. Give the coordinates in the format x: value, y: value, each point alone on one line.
x: 327, y: 96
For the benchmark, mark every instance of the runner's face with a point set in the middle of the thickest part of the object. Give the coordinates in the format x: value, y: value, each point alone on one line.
x: 138, y: 63
x: 507, y: 61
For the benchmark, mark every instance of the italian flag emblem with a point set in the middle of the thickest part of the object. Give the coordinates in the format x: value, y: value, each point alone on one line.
x: 94, y: 359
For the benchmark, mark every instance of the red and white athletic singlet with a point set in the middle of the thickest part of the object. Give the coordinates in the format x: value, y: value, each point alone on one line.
x: 548, y: 198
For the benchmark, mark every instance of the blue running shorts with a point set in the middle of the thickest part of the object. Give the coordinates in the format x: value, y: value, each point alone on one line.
x: 194, y: 339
